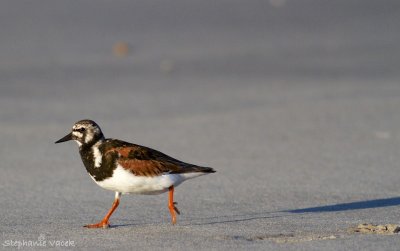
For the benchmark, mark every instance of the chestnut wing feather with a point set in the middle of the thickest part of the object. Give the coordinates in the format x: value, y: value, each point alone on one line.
x: 144, y: 161
x: 146, y: 167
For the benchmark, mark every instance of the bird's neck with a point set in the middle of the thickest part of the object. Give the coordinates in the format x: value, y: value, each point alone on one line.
x: 91, y: 154
x: 93, y: 159
x: 95, y: 142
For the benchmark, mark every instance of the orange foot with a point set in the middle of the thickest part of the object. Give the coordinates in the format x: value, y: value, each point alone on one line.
x: 101, y: 224
x: 105, y: 223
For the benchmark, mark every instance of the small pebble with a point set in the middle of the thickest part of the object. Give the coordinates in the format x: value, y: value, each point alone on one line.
x: 367, y: 228
x: 121, y: 49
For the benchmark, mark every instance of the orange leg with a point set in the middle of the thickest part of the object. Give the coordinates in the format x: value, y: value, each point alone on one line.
x: 105, y: 223
x: 171, y: 205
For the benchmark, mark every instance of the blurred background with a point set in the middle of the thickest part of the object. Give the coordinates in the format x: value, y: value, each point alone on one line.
x: 102, y: 58
x: 294, y: 99
x: 122, y: 60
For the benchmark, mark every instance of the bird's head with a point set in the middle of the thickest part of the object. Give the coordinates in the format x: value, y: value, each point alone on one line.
x: 84, y: 132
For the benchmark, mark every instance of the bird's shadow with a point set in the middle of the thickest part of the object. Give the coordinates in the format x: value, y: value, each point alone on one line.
x: 357, y: 205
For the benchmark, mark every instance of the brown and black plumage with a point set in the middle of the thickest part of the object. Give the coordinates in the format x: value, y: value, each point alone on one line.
x: 144, y: 161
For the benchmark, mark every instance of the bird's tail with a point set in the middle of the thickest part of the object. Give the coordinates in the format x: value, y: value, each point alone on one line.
x: 206, y: 170
x: 196, y: 169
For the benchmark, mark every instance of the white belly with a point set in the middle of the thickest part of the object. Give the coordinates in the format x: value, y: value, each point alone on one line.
x: 126, y: 182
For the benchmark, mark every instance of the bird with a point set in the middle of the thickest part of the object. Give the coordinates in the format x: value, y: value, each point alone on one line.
x: 128, y: 168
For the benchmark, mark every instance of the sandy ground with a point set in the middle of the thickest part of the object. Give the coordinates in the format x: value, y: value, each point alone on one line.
x: 294, y: 103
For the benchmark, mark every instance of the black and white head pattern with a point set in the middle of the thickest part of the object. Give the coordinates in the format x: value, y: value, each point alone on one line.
x: 86, y: 132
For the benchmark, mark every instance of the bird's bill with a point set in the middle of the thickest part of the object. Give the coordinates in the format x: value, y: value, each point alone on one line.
x: 65, y: 138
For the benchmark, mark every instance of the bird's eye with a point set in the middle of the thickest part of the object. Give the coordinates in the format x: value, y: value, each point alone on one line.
x: 82, y: 129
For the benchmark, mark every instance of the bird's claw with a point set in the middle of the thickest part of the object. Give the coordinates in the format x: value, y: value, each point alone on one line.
x: 176, y: 209
x: 98, y: 225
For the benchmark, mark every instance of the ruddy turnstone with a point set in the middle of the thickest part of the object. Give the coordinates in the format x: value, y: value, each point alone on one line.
x: 129, y: 168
